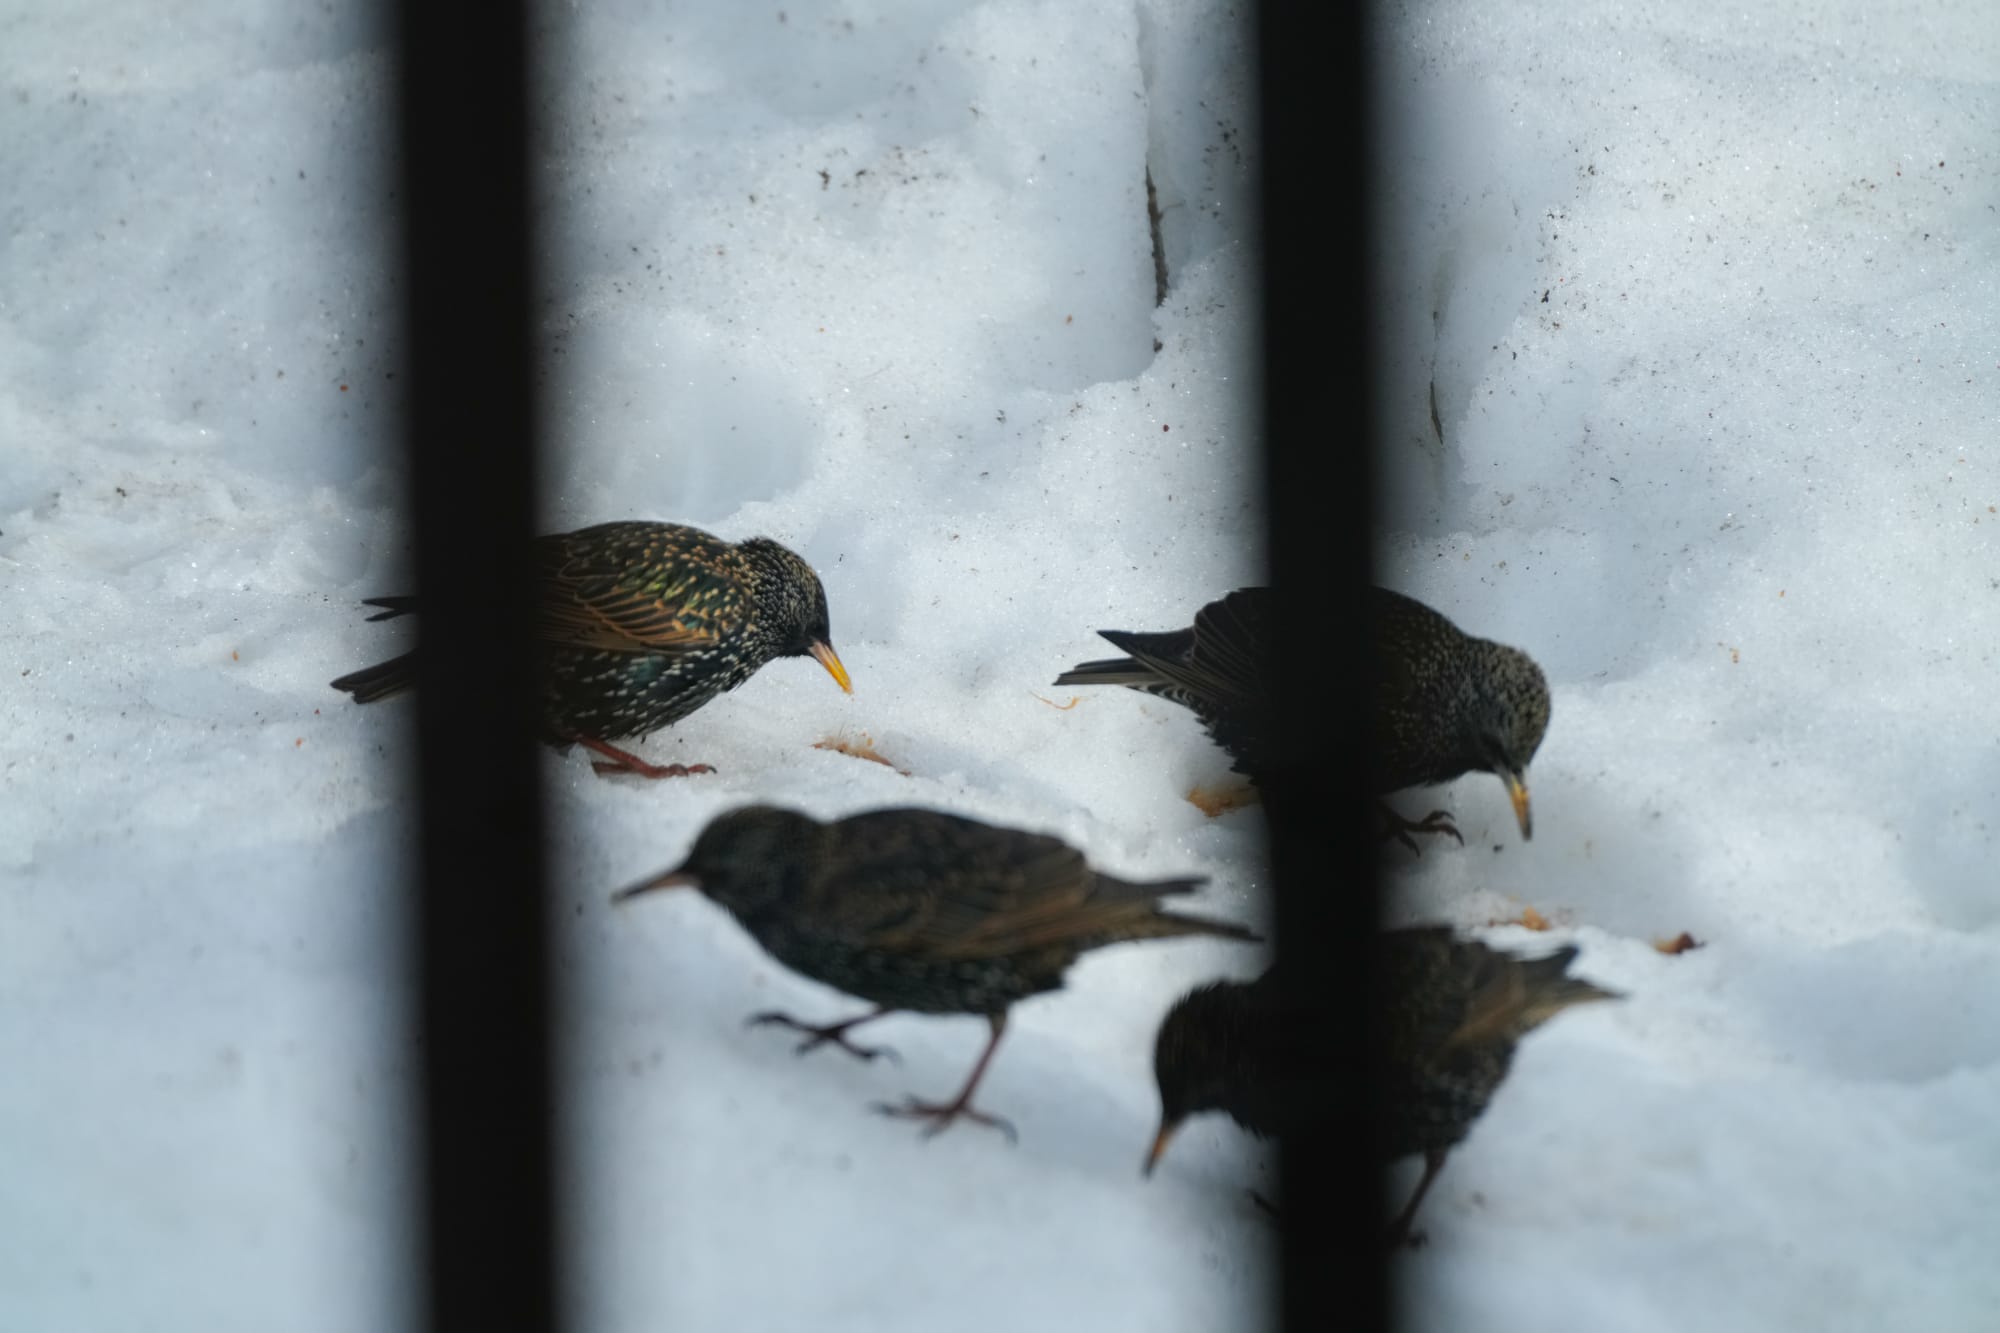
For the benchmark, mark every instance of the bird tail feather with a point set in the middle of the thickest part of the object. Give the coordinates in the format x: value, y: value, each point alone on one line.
x: 1175, y: 923
x: 1157, y: 922
x: 1109, y: 671
x: 1524, y: 994
x: 379, y: 682
x: 392, y: 607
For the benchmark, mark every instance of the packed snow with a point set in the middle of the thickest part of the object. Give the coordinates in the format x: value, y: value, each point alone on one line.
x: 1692, y: 331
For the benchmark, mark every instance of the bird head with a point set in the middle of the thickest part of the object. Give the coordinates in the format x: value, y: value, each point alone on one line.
x: 1192, y: 1059
x: 1509, y: 721
x: 791, y: 604
x: 745, y: 859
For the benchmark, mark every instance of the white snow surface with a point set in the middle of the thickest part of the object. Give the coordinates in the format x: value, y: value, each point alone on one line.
x: 1706, y: 300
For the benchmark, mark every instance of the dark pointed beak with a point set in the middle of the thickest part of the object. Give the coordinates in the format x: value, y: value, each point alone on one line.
x: 822, y: 653
x: 671, y: 879
x: 1160, y: 1141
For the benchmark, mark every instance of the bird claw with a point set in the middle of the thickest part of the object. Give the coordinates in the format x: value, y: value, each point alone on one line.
x: 834, y: 1034
x: 1399, y: 828
x: 941, y: 1116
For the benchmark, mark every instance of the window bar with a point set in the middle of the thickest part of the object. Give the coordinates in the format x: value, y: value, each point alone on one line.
x: 1316, y: 124
x: 490, y: 1240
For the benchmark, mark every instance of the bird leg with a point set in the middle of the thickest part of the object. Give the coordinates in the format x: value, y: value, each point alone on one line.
x: 1399, y: 1230
x: 624, y: 761
x: 1399, y: 828
x: 1270, y: 1209
x: 942, y: 1114
x: 831, y: 1032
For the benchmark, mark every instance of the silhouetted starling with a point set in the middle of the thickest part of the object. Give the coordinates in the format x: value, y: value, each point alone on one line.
x: 1448, y: 703
x: 642, y: 623
x: 1453, y: 1010
x: 922, y: 911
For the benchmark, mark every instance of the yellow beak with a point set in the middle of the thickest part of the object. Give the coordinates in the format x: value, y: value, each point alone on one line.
x: 1517, y: 792
x: 670, y: 879
x: 1160, y: 1142
x: 823, y: 654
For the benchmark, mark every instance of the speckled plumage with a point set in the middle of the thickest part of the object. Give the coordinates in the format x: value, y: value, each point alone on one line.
x: 1451, y: 704
x: 1448, y: 704
x: 643, y: 623
x: 1454, y: 1010
x: 922, y: 911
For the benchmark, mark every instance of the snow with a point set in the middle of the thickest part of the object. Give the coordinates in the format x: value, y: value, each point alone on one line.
x: 1731, y: 483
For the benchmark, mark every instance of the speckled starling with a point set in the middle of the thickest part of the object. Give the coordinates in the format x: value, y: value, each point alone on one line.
x: 1451, y: 704
x: 1453, y: 1009
x: 922, y: 911
x: 1448, y: 703
x: 641, y: 624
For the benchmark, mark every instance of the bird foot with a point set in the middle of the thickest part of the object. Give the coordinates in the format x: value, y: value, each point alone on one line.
x: 617, y: 761
x: 816, y: 1036
x: 1399, y: 828
x: 941, y: 1116
x: 1404, y: 1237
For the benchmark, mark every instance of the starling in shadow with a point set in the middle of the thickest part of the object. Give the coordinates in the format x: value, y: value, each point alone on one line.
x: 1447, y: 703
x: 921, y: 911
x: 1453, y: 1011
x: 641, y: 624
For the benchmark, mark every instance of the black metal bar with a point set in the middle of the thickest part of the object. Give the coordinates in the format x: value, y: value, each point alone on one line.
x: 490, y: 1246
x: 1316, y: 122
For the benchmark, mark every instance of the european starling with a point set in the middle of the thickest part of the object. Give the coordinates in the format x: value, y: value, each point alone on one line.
x: 641, y: 624
x: 1454, y: 1010
x: 1447, y: 704
x: 1450, y: 704
x: 922, y: 911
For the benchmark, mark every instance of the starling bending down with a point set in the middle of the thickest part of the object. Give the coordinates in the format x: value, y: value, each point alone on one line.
x: 1454, y: 1010
x: 1451, y: 704
x: 922, y: 911
x: 1448, y: 703
x: 641, y: 624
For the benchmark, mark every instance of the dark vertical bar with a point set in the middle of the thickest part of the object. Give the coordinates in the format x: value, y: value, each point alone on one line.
x: 490, y: 1256
x: 1316, y: 110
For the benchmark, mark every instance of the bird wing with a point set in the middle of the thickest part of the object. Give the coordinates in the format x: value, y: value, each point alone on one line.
x: 645, y: 593
x: 1217, y: 660
x: 936, y: 886
x: 1215, y: 668
x: 1230, y: 642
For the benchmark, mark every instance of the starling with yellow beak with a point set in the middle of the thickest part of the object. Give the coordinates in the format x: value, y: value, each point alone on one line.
x: 1446, y: 703
x: 641, y: 624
